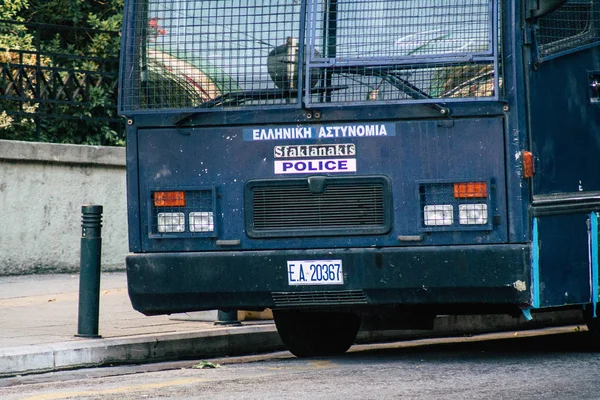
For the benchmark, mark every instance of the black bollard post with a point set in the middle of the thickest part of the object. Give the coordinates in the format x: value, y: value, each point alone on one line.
x: 228, y: 317
x: 89, y: 278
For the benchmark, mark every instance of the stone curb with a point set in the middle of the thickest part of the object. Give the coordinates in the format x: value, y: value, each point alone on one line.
x: 140, y: 349
x: 236, y: 341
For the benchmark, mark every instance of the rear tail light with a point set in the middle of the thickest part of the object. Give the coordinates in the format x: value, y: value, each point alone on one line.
x: 438, y: 215
x: 181, y: 213
x: 171, y: 222
x: 169, y: 199
x: 472, y: 214
x: 202, y: 222
x: 455, y: 205
x: 470, y: 190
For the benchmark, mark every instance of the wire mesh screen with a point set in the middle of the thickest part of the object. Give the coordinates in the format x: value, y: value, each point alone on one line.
x: 391, y: 29
x: 407, y: 50
x: 574, y: 24
x: 454, y: 206
x: 188, y: 213
x: 215, y: 54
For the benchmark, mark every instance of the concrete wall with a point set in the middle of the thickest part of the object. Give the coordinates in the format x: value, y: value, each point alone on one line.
x: 42, y: 189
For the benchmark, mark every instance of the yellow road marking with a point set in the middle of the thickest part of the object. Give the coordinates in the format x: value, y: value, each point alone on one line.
x: 317, y: 364
x: 321, y: 364
x: 119, y: 390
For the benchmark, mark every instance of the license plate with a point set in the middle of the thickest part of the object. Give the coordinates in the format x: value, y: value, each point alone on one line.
x: 315, y: 272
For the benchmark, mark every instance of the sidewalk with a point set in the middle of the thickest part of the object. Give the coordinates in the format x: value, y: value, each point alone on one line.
x: 38, y: 323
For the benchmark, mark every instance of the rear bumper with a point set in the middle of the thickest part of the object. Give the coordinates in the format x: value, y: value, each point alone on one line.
x: 163, y: 283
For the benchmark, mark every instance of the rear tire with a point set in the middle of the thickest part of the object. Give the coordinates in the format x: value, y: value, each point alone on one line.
x: 311, y: 334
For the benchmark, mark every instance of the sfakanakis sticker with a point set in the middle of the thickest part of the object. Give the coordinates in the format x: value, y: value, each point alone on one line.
x: 315, y: 150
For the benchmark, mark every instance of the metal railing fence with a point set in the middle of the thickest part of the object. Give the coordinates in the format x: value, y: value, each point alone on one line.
x: 58, y: 89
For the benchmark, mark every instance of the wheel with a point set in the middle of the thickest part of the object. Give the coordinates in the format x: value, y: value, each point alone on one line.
x: 310, y: 334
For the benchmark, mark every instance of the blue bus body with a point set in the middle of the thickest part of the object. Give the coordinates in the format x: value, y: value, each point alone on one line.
x: 362, y: 157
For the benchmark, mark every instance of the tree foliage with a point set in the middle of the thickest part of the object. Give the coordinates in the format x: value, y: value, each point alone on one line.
x: 69, y: 42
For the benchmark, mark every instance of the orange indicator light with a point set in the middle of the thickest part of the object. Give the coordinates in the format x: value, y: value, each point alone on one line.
x: 470, y: 190
x: 169, y: 199
x: 527, y: 164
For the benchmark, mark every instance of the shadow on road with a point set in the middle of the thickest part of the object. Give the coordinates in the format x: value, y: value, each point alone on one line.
x: 484, y: 346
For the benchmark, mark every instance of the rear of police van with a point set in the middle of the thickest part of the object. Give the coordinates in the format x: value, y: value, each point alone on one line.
x: 322, y: 158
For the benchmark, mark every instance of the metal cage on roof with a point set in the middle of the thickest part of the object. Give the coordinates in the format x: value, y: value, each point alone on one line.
x: 221, y: 54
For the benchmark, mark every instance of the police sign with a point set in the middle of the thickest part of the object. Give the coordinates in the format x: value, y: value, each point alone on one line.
x: 315, y: 166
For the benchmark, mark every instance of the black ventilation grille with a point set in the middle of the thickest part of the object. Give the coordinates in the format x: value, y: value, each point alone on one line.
x: 344, y: 207
x: 316, y: 299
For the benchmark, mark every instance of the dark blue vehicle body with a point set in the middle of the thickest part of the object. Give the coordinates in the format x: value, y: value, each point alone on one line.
x: 366, y: 206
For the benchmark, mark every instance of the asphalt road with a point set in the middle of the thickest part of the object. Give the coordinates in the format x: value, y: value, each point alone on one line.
x: 525, y: 365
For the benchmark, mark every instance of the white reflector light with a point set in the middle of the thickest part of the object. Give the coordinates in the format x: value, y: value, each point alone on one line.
x: 472, y: 214
x: 202, y: 222
x: 171, y: 222
x: 438, y: 215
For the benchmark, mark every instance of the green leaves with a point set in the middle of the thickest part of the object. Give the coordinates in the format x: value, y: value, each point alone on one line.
x: 77, y: 99
x: 11, y: 8
x: 205, y: 365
